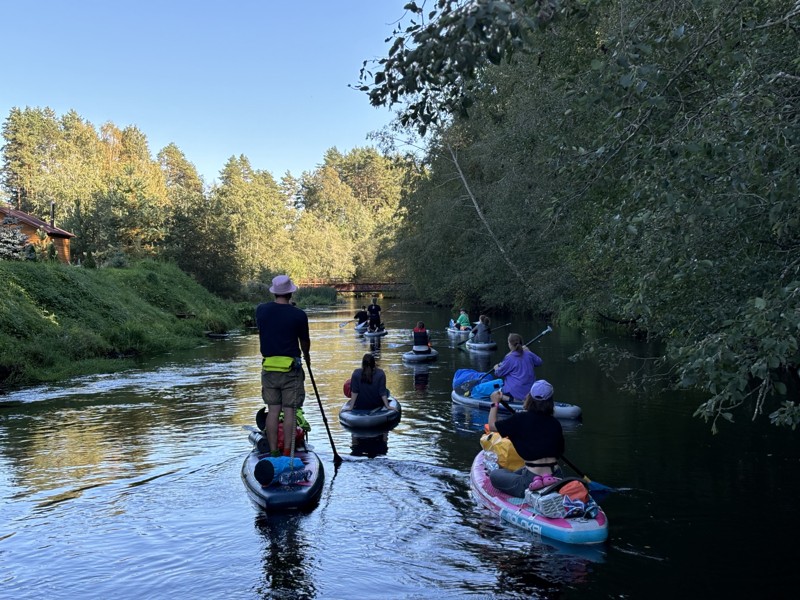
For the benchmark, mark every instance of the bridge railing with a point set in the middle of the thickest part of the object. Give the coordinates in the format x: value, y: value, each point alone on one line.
x: 347, y: 285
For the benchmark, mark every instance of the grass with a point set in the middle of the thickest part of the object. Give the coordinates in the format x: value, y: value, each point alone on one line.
x: 58, y: 321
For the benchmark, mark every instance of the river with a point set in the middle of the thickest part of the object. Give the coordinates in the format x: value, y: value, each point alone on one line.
x: 127, y: 485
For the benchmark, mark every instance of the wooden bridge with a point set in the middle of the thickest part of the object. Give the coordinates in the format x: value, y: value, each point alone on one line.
x: 354, y: 287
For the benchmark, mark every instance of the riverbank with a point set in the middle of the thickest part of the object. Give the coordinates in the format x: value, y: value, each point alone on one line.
x: 58, y: 321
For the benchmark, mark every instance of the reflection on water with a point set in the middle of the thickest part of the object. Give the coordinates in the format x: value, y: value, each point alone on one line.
x: 375, y: 346
x: 370, y: 445
x: 285, y: 562
x: 422, y: 376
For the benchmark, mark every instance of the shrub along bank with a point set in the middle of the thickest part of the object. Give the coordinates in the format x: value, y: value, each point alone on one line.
x: 57, y: 320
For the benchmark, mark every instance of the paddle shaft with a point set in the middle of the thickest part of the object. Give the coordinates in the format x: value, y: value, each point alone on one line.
x: 545, y: 332
x: 493, y: 330
x: 336, y: 458
x: 576, y: 469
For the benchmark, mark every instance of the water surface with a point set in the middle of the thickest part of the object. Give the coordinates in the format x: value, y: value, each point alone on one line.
x: 127, y: 485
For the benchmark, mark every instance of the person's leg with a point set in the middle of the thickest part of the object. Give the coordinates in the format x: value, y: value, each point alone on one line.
x: 513, y: 483
x: 294, y: 394
x: 272, y: 399
x: 289, y: 427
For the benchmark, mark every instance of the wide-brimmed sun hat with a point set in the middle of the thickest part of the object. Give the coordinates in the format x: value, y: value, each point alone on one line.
x: 282, y: 284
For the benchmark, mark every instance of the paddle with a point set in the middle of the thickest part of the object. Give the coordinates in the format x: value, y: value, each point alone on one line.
x: 337, y: 460
x: 493, y: 330
x: 592, y: 485
x: 545, y: 332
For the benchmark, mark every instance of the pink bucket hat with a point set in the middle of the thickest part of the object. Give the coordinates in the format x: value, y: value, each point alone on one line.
x: 281, y: 285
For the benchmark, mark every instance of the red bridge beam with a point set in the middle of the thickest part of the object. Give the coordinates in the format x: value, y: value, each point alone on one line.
x: 350, y: 286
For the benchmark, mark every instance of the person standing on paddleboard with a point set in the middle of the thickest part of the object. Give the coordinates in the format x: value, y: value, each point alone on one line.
x: 283, y: 334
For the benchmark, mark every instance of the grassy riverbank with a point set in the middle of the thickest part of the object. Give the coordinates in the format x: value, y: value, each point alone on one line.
x: 57, y: 321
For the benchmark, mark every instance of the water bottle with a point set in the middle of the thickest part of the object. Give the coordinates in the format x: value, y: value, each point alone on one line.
x: 490, y: 461
x: 289, y: 477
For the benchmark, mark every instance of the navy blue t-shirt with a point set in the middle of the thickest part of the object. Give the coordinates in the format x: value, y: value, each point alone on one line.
x: 280, y: 327
x: 369, y: 394
x: 534, y: 435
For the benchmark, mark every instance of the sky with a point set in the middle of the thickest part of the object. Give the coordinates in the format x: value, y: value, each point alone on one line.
x: 264, y: 78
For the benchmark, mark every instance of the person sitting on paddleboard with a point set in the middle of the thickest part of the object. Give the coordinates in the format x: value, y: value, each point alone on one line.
x: 517, y: 369
x: 422, y: 339
x: 482, y: 332
x: 368, y: 387
x: 537, y: 437
x: 462, y: 322
x: 361, y: 316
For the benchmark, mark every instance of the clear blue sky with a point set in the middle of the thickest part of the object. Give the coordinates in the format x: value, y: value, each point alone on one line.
x: 264, y: 78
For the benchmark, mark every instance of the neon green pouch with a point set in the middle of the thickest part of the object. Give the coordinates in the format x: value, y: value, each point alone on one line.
x: 279, y: 364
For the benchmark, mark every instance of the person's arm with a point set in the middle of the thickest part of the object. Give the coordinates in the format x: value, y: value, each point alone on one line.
x: 495, y: 397
x: 305, y: 347
x: 350, y: 403
x: 386, y: 403
x: 501, y: 369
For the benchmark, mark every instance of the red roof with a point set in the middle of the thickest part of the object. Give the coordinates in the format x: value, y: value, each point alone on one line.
x: 24, y: 217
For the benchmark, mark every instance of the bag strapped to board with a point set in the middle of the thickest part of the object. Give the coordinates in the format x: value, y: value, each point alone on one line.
x: 507, y: 456
x: 280, y: 364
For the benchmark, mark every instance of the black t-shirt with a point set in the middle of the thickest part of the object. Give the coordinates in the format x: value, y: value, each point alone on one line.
x: 362, y: 316
x: 374, y: 311
x: 280, y: 327
x: 534, y: 435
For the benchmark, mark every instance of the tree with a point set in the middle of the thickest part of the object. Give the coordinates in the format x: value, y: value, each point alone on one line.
x: 435, y: 62
x: 254, y: 207
x: 12, y: 240
x: 646, y: 169
x: 200, y: 239
x: 31, y: 138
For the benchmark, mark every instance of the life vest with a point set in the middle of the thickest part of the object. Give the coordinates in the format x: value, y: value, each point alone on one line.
x: 421, y: 337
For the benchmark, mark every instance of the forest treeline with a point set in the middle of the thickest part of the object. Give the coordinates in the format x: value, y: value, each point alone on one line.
x: 120, y: 200
x: 634, y: 162
x: 616, y: 160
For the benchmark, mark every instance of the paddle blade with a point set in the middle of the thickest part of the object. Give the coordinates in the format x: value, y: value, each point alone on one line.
x: 597, y: 488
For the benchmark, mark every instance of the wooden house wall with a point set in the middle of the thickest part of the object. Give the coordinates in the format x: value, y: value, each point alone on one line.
x: 61, y: 244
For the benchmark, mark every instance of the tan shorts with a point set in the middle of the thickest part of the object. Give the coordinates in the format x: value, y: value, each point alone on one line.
x: 283, y: 389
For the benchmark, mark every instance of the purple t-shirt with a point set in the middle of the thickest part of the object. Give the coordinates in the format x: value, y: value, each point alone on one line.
x: 517, y: 374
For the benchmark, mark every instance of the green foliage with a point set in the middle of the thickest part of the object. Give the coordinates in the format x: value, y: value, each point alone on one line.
x: 642, y: 165
x: 352, y: 201
x: 118, y: 201
x: 435, y: 64
x: 57, y: 320
x: 12, y: 240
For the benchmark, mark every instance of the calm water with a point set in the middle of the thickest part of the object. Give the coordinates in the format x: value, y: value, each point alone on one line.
x: 127, y: 486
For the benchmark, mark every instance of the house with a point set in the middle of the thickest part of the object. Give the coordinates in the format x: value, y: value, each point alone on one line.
x: 30, y: 226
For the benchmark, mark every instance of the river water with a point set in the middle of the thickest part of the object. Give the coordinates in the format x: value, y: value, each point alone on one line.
x: 127, y: 486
